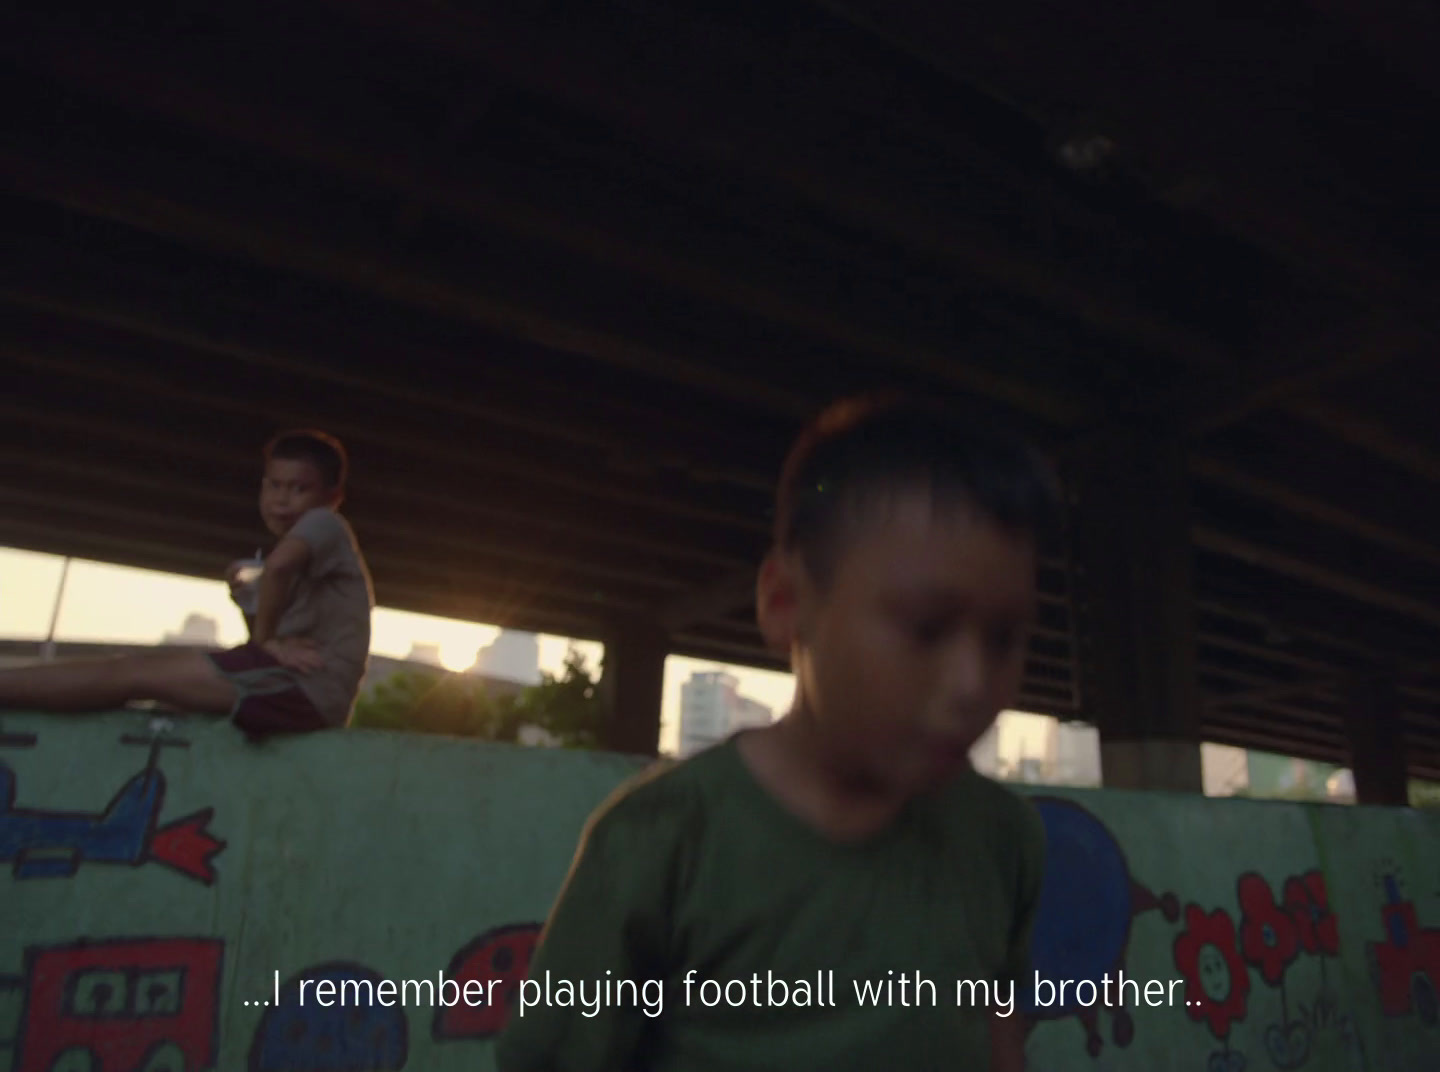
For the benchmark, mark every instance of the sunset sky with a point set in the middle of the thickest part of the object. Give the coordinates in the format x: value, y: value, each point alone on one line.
x: 117, y: 604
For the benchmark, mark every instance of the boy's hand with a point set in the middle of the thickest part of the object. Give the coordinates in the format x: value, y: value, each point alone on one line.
x: 232, y: 574
x: 1007, y: 1043
x: 296, y: 653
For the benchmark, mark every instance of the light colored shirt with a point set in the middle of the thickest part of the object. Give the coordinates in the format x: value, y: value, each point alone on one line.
x: 330, y: 605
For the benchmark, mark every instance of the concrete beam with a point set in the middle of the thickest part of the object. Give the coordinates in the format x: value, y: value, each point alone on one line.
x: 1134, y: 608
x: 731, y: 593
x: 633, y: 685
x: 1377, y: 746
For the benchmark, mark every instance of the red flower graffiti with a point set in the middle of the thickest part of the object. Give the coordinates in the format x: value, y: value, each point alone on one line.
x: 1216, y: 982
x: 1268, y: 936
x: 1308, y: 903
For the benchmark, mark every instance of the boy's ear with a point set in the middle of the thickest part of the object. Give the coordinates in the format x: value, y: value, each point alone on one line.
x: 777, y: 602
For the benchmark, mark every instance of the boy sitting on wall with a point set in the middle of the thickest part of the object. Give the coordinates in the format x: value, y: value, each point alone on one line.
x: 309, y: 632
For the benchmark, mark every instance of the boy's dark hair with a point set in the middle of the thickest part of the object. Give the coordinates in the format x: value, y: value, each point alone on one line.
x: 861, y: 449
x: 320, y: 449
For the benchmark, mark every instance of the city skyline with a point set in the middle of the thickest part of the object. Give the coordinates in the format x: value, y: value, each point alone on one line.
x: 712, y: 708
x: 106, y: 603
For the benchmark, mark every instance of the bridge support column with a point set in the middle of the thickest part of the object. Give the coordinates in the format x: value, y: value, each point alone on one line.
x: 1377, y: 747
x: 1134, y: 605
x: 633, y: 684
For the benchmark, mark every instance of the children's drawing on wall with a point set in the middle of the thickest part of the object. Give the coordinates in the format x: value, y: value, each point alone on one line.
x: 118, y: 1005
x: 501, y: 955
x: 1088, y: 903
x: 348, y: 1031
x: 1216, y: 959
x: 1270, y: 942
x: 1405, y: 965
x: 50, y: 843
x: 1216, y: 982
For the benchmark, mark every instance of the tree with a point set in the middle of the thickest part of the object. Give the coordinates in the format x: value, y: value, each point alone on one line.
x: 387, y: 705
x: 427, y: 701
x: 1424, y: 794
x: 567, y: 707
x: 1303, y: 793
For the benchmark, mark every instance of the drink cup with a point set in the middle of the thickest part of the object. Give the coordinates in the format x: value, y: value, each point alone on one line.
x: 247, y: 585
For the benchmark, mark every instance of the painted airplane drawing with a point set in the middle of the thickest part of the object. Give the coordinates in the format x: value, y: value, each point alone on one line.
x: 47, y: 843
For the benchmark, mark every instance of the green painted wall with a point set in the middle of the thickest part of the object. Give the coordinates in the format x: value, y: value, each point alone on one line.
x: 348, y: 854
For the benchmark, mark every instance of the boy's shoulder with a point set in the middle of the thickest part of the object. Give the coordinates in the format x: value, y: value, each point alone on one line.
x: 666, y: 796
x: 322, y: 515
x: 1010, y: 820
x: 669, y: 781
x: 1006, y: 802
x: 325, y: 529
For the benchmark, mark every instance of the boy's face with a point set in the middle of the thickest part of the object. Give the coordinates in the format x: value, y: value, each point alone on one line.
x: 917, y: 643
x: 289, y: 488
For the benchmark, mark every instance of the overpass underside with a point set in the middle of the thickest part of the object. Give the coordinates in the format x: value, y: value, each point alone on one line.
x: 567, y: 281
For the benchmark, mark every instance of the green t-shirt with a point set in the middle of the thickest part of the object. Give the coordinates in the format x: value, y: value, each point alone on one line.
x: 696, y: 867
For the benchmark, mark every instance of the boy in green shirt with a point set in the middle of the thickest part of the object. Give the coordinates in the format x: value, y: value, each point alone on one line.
x: 839, y: 890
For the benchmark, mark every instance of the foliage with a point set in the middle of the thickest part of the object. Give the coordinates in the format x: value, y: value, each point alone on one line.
x: 1303, y: 793
x: 568, y: 707
x: 1424, y: 794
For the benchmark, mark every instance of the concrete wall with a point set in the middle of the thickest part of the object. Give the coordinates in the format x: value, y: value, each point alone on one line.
x: 154, y: 897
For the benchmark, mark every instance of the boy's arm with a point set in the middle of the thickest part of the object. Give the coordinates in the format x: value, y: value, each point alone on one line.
x: 232, y: 578
x: 1007, y: 1043
x: 1007, y: 1033
x: 609, y: 923
x: 312, y: 539
x: 283, y: 565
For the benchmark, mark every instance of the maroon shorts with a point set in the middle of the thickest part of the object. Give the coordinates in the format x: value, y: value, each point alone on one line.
x: 268, y: 697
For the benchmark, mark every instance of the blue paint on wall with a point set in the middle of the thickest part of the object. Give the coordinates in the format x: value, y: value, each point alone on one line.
x: 1086, y: 902
x: 337, y: 1038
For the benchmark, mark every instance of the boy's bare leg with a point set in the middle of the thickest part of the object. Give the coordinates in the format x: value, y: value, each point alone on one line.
x: 186, y: 680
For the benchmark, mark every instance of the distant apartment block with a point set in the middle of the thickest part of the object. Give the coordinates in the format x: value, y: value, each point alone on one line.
x: 1073, y: 755
x: 711, y: 709
x: 985, y: 753
x: 199, y: 630
x: 511, y: 656
x: 1038, y: 750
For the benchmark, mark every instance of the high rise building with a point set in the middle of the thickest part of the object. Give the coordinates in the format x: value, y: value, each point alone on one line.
x: 749, y: 714
x: 199, y: 630
x: 711, y: 709
x: 985, y: 753
x: 511, y: 656
x: 1073, y: 755
x: 1224, y: 768
x: 427, y: 654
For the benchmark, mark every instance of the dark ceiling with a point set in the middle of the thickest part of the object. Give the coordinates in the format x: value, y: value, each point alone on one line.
x: 567, y: 276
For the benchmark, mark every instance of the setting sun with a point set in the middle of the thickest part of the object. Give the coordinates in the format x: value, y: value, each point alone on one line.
x: 457, y: 657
